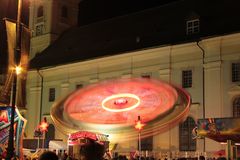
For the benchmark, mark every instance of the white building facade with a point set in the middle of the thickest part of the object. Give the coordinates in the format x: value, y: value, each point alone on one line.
x: 166, y: 63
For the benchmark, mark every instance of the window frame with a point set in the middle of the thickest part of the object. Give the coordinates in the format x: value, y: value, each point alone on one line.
x: 235, y: 71
x: 40, y: 11
x: 51, y: 94
x: 64, y: 12
x: 78, y: 86
x: 191, y: 26
x: 187, y: 80
x: 147, y: 143
x: 186, y: 143
x: 146, y: 75
x: 236, y: 106
x: 41, y: 31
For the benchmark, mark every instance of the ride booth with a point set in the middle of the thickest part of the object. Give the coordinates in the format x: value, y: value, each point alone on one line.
x: 76, y: 140
x: 57, y: 146
x: 222, y: 130
x: 19, y: 125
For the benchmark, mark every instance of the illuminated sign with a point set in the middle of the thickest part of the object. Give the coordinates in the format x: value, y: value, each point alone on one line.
x: 4, y: 116
x: 19, y: 125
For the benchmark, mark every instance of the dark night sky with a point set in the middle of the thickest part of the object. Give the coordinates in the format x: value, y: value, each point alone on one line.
x: 90, y: 11
x: 8, y: 9
x: 95, y: 10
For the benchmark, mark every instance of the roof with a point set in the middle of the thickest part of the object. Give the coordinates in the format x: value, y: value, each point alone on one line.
x: 94, y: 10
x: 162, y: 25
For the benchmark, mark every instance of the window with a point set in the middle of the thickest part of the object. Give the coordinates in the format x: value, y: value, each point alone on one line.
x: 39, y: 29
x: 64, y: 12
x: 147, y: 143
x: 51, y: 97
x: 187, y: 79
x: 186, y: 143
x: 40, y: 11
x: 146, y: 75
x: 236, y: 107
x: 235, y: 72
x: 78, y: 86
x: 193, y: 26
x: 64, y: 15
x: 40, y: 17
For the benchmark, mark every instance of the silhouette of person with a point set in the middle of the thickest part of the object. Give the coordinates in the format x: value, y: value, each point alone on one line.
x: 92, y: 150
x: 48, y: 155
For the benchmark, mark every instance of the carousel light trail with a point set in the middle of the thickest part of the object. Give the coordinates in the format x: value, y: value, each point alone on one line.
x: 111, y: 107
x: 97, y: 103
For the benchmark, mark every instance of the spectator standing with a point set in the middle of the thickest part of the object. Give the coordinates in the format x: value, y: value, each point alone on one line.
x: 48, y: 155
x: 92, y: 150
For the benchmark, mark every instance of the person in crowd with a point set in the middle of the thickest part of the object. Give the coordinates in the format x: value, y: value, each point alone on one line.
x: 14, y: 158
x: 60, y: 155
x: 108, y: 155
x: 48, y: 155
x: 65, y: 155
x: 201, y: 157
x: 92, y: 150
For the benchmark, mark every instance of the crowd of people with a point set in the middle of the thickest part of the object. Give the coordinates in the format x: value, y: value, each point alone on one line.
x: 96, y: 151
x: 89, y: 151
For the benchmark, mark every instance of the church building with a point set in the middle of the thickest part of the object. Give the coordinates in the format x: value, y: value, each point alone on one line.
x: 194, y: 44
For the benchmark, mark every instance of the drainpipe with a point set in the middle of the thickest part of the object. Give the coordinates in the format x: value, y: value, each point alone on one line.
x: 41, y: 97
x: 203, y: 80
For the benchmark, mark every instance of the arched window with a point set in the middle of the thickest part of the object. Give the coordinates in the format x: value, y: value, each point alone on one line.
x: 236, y: 107
x: 186, y: 143
x: 64, y: 12
x: 40, y: 11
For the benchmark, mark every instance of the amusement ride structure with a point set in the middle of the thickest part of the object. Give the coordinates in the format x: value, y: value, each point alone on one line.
x: 112, y: 107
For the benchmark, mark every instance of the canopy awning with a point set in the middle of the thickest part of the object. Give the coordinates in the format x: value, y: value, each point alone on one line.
x: 57, y: 145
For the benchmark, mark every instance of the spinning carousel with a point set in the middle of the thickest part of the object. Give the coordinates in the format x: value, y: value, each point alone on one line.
x: 112, y: 107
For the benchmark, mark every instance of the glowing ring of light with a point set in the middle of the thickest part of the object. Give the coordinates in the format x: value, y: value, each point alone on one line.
x: 121, y: 95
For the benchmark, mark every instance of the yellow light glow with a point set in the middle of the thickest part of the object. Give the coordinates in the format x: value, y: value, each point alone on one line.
x: 18, y: 70
x: 121, y: 95
x: 43, y: 126
x: 139, y: 125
